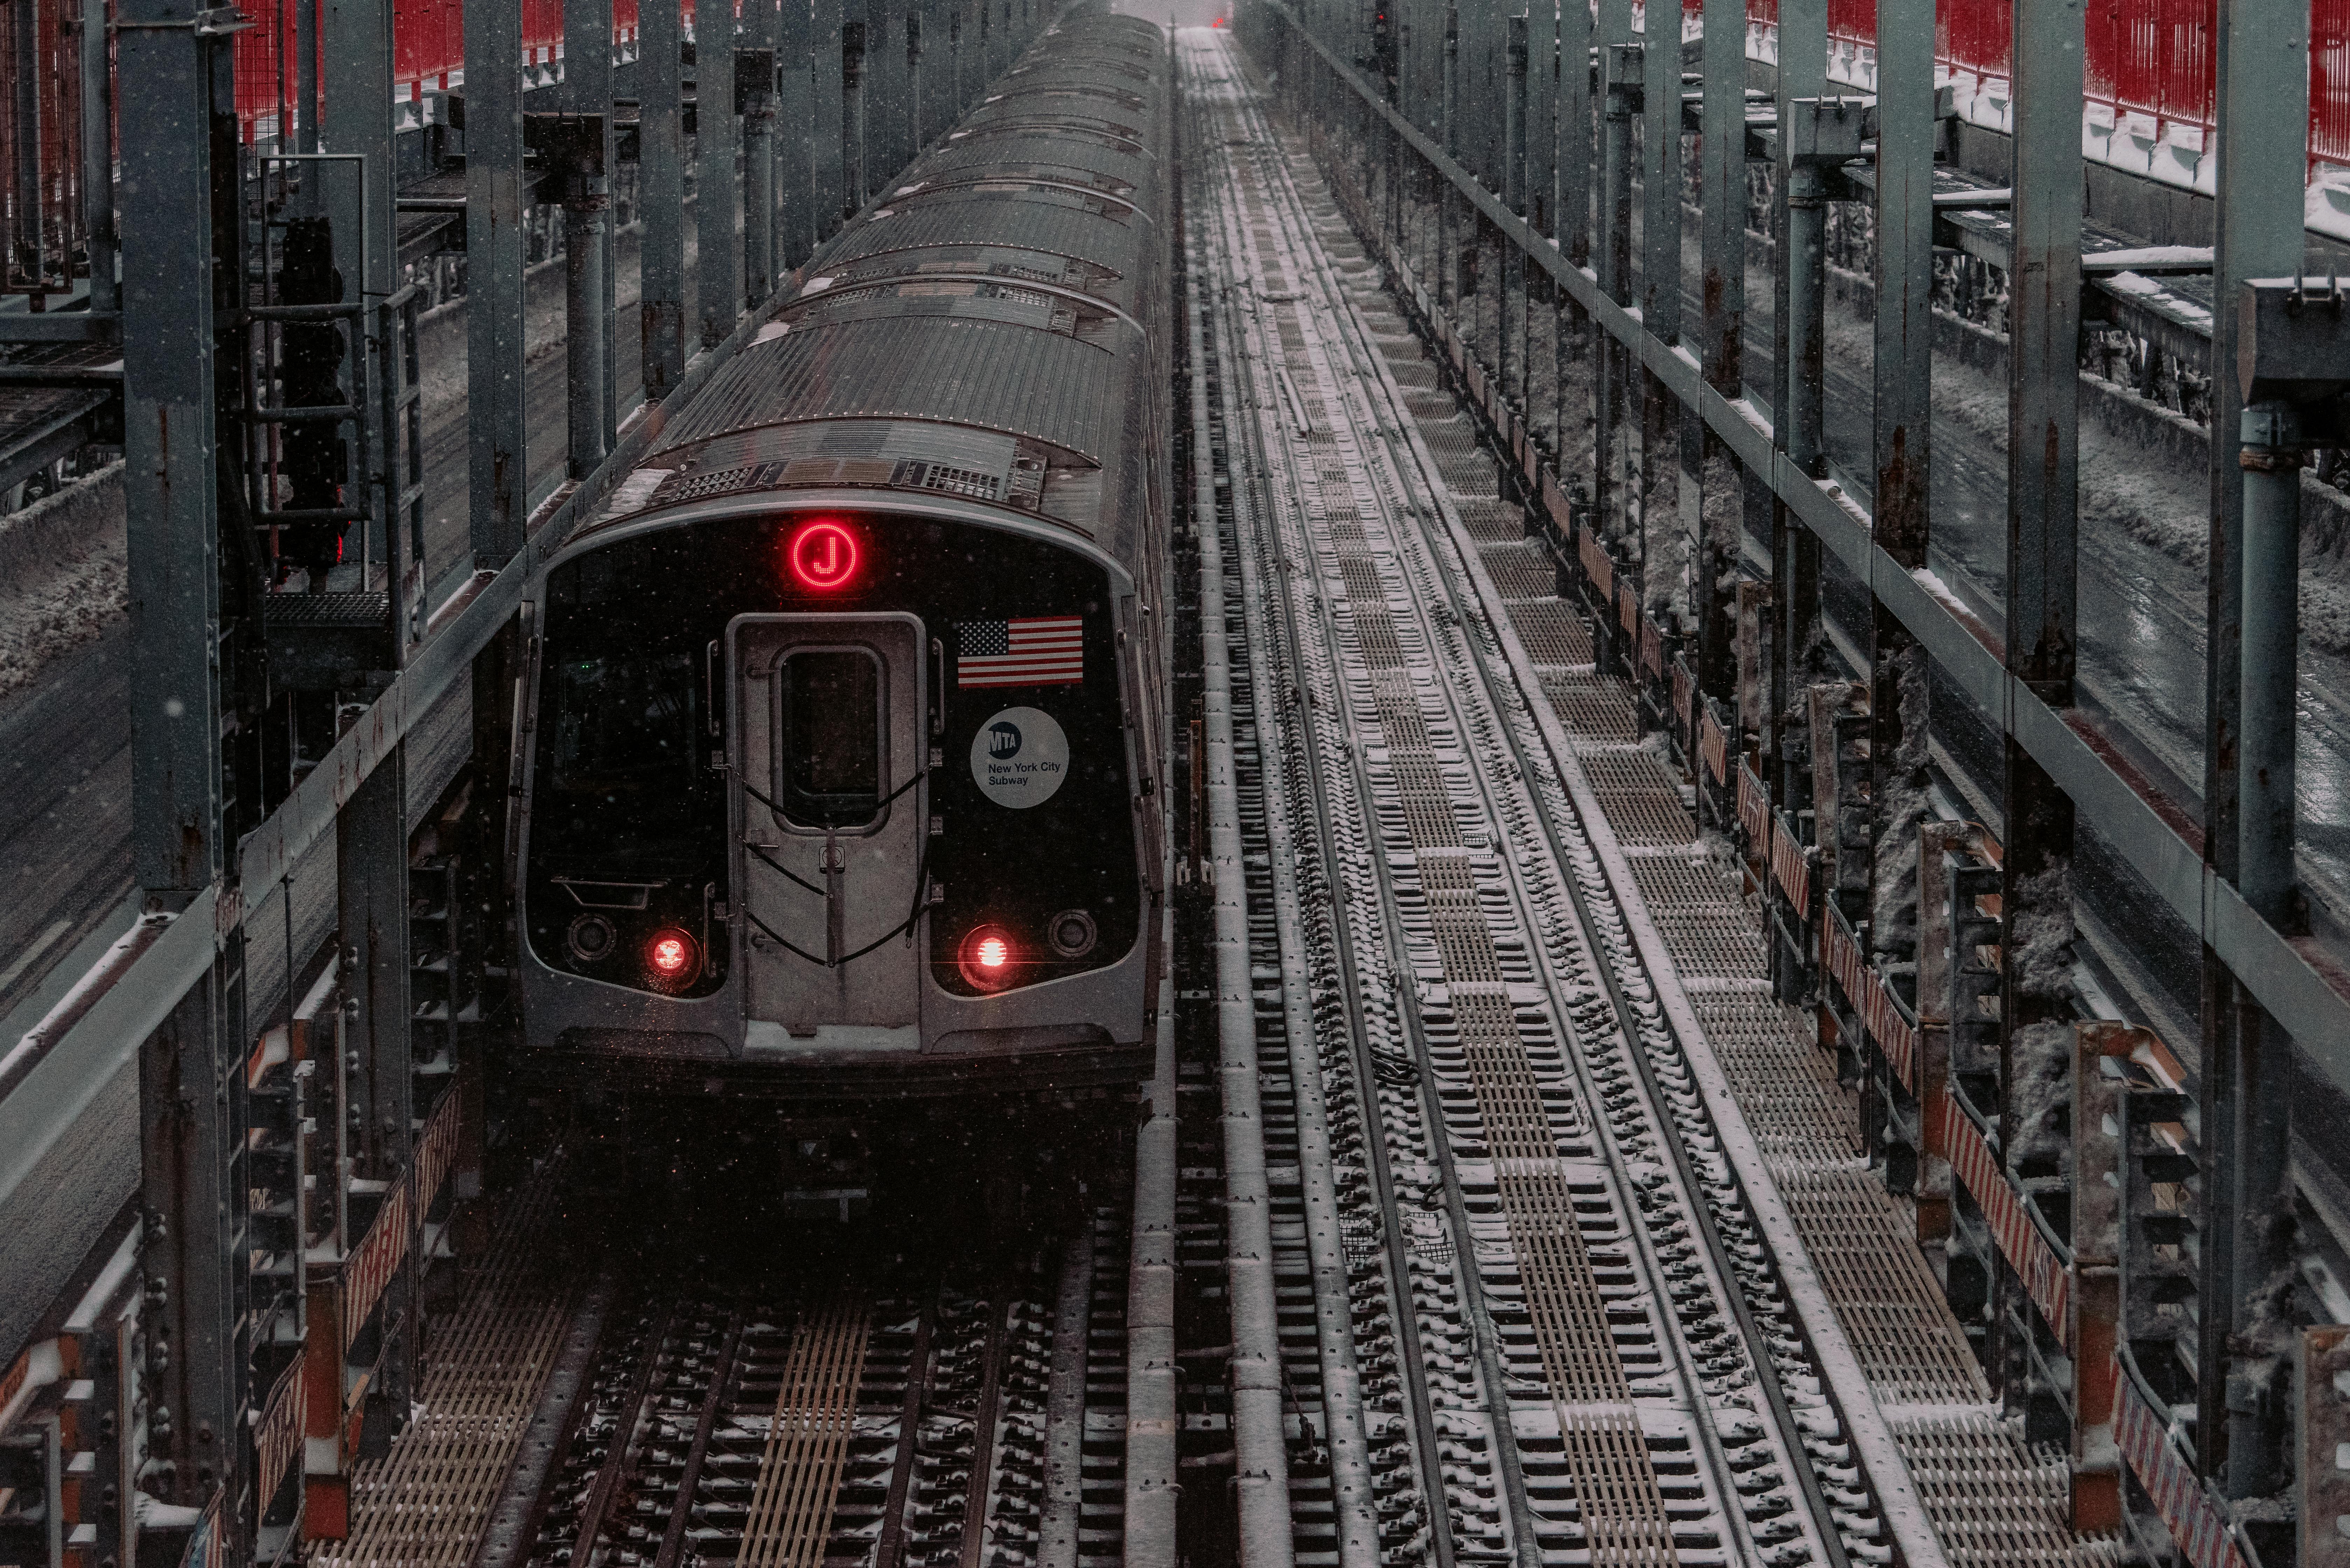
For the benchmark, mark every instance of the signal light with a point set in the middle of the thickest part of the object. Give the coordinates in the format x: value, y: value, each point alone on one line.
x: 672, y: 958
x: 988, y: 959
x: 823, y: 556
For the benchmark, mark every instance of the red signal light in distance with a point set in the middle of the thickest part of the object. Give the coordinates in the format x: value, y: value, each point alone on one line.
x: 823, y: 556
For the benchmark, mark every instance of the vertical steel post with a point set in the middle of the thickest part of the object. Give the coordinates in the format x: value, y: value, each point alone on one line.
x: 1448, y: 124
x: 2043, y: 621
x: 1799, y: 215
x: 1722, y: 295
x: 913, y: 86
x: 496, y: 414
x: 828, y: 125
x: 2270, y: 459
x: 884, y: 112
x: 1660, y: 285
x: 170, y: 450
x: 718, y: 192
x: 587, y: 236
x: 760, y: 58
x: 1572, y: 131
x: 97, y: 160
x: 357, y: 119
x: 25, y: 40
x: 1542, y: 116
x: 2262, y: 115
x: 1902, y: 450
x: 1611, y: 483
x: 852, y: 117
x: 661, y: 195
x: 192, y: 1138
x: 1513, y: 269
x: 371, y: 894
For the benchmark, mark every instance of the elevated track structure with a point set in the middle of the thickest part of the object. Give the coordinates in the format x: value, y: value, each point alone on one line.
x: 1685, y: 1034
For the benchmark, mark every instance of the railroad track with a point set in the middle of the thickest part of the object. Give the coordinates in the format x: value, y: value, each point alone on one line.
x: 851, y: 1400
x: 1561, y: 1232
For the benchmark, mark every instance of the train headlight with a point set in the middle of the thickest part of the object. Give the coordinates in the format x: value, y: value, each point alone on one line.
x: 590, y: 938
x: 1072, y: 934
x: 988, y: 959
x: 672, y: 959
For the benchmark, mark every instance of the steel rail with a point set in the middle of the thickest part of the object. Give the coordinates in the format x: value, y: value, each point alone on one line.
x: 1342, y: 1389
x: 1152, y: 1487
x: 1260, y: 1454
x: 2288, y: 977
x: 1266, y: 656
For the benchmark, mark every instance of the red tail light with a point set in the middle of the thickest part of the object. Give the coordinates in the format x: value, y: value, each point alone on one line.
x: 988, y: 959
x: 672, y: 958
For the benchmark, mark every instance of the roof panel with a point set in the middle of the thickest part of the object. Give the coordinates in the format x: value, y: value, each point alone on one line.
x: 988, y: 374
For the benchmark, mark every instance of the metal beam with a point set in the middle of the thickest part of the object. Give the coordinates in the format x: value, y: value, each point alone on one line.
x: 170, y: 445
x: 495, y: 414
x: 661, y: 195
x: 1721, y: 299
x: 590, y: 283
x: 717, y: 184
x: 2263, y: 110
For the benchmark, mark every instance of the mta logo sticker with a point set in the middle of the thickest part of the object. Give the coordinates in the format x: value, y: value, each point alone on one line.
x: 1020, y: 757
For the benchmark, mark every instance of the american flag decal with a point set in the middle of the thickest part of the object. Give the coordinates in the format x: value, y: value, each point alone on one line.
x: 1035, y: 651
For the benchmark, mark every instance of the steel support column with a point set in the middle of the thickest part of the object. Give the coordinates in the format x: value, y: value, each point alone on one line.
x: 2042, y: 623
x: 759, y: 60
x: 1662, y: 433
x: 1620, y: 66
x: 852, y: 117
x: 371, y: 895
x: 495, y: 414
x: 717, y: 184
x: 1542, y: 117
x: 1721, y: 294
x: 1513, y: 279
x: 587, y: 234
x: 661, y: 195
x: 2263, y: 110
x: 191, y: 1122
x: 97, y: 157
x: 1572, y: 131
x: 827, y: 122
x: 1902, y: 450
x: 1798, y: 216
x: 170, y: 489
x: 356, y: 50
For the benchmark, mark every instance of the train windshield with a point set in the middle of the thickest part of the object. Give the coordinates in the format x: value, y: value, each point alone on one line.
x: 617, y: 779
x: 832, y: 764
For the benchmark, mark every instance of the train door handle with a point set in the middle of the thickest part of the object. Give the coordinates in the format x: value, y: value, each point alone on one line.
x: 938, y: 686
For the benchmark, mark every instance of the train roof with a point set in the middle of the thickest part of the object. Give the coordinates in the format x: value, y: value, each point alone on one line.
x: 992, y: 329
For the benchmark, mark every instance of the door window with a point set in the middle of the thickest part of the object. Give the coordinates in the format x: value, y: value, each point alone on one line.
x: 834, y: 766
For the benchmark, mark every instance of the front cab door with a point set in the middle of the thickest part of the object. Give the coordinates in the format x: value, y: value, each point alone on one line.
x: 831, y: 738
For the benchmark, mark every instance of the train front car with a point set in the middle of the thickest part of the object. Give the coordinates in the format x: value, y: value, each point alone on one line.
x: 842, y: 774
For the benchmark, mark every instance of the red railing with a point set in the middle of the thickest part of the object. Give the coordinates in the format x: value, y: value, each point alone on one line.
x: 2149, y: 61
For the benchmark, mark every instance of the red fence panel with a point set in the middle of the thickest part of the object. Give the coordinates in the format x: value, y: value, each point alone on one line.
x: 2329, y: 81
x: 1853, y: 21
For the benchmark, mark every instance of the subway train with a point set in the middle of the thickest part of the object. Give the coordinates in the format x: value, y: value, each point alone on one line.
x: 841, y: 764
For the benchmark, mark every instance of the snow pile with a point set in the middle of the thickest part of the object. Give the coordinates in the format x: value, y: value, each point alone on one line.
x: 62, y: 579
